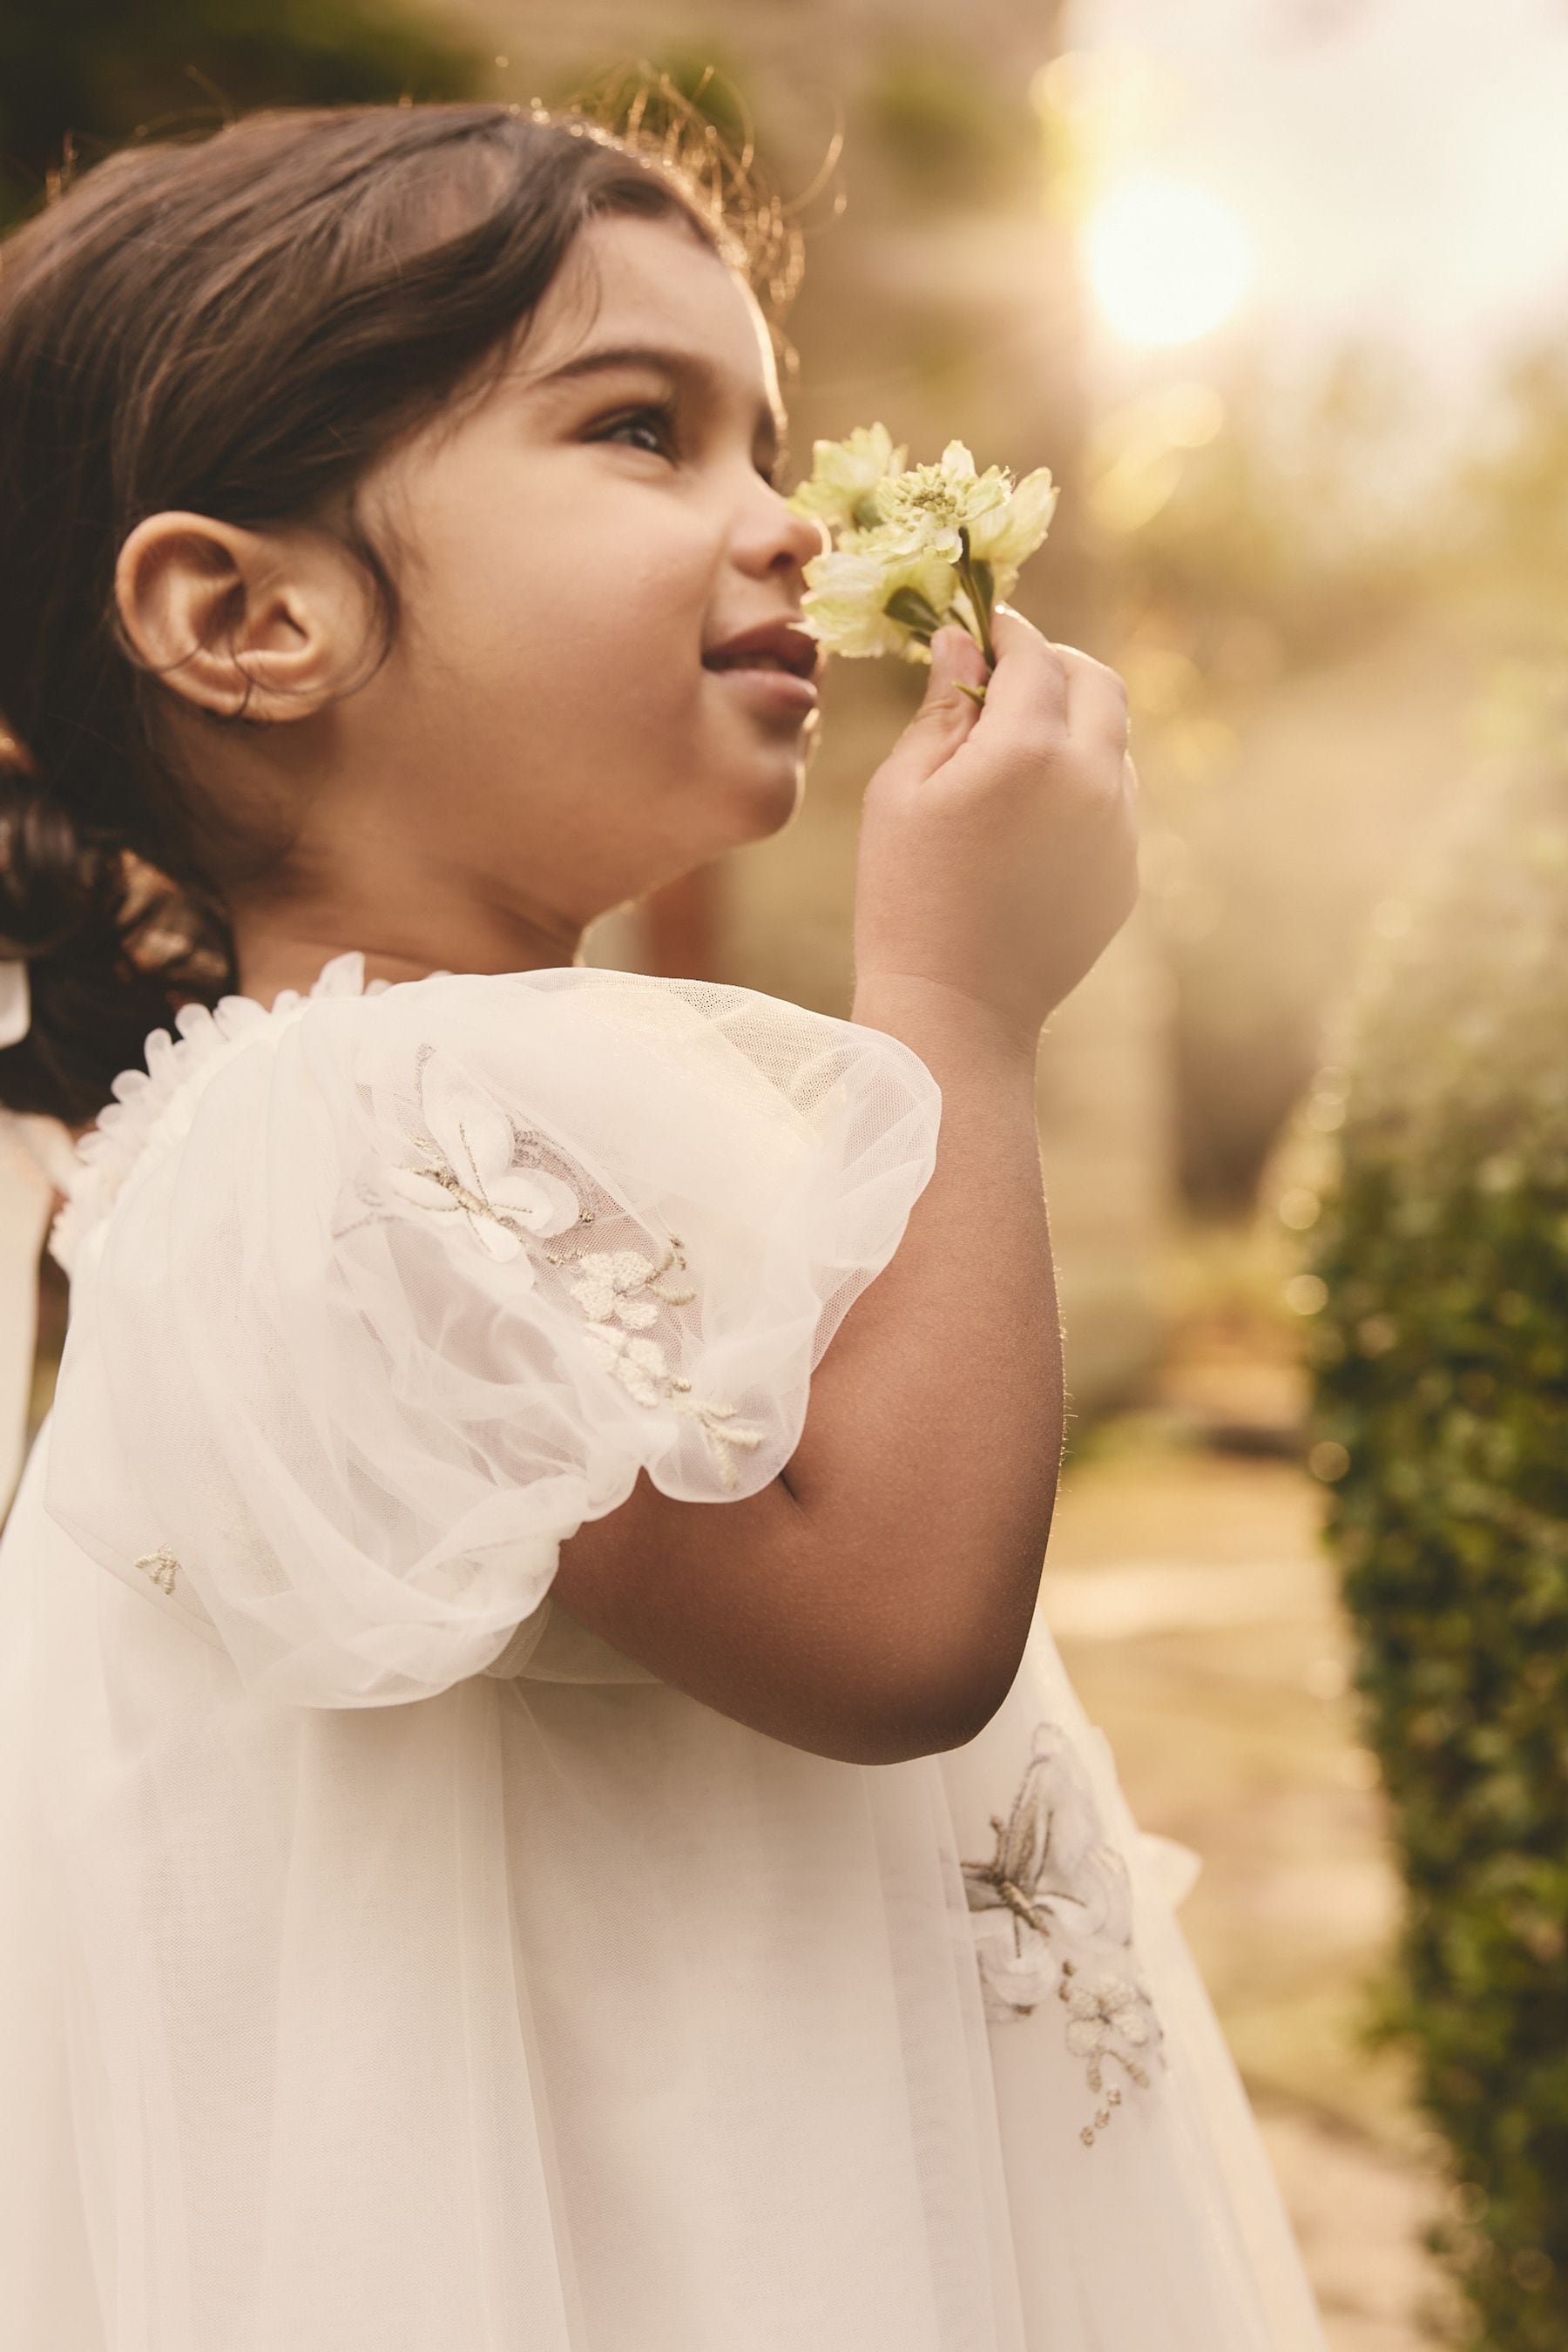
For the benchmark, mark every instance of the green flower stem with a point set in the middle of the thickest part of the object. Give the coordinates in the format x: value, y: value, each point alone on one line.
x: 979, y: 595
x: 982, y: 635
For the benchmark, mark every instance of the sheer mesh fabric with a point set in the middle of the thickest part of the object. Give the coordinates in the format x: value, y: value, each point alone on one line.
x: 386, y: 1963
x: 429, y: 1276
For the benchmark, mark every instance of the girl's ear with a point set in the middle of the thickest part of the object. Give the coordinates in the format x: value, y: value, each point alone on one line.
x: 266, y: 624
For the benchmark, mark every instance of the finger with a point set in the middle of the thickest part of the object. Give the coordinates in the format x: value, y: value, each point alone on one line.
x: 954, y: 658
x: 946, y: 716
x: 1097, y: 700
x: 1028, y: 688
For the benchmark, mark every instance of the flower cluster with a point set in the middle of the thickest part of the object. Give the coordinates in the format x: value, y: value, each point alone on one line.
x: 912, y: 549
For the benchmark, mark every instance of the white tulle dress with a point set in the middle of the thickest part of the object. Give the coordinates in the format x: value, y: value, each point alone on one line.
x: 386, y: 1964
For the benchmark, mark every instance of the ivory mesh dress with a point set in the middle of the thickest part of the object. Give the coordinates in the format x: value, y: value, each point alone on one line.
x: 387, y: 1965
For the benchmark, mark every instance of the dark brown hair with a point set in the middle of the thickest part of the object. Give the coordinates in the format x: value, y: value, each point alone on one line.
x: 236, y: 324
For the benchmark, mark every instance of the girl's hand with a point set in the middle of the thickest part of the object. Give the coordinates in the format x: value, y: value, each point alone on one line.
x: 998, y: 846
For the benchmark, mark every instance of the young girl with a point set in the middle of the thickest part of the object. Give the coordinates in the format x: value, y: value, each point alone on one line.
x: 462, y: 1892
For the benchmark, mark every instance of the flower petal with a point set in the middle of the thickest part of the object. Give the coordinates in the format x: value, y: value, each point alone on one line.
x: 497, y: 1241
x: 847, y: 476
x: 593, y: 1289
x: 419, y: 1190
x: 636, y: 1314
x: 535, y: 1199
x: 470, y: 1128
x: 1010, y: 533
x: 847, y: 593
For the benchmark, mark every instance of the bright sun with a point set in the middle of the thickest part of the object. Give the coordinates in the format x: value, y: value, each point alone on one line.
x: 1167, y: 262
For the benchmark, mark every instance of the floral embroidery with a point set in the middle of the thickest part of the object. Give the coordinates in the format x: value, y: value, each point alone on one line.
x: 619, y: 1284
x: 1064, y: 1888
x: 477, y: 1168
x: 615, y: 1288
x: 161, y: 1565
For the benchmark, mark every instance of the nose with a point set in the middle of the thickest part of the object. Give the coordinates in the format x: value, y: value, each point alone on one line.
x: 769, y: 538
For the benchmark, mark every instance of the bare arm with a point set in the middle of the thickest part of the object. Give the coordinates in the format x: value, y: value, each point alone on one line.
x: 872, y: 1604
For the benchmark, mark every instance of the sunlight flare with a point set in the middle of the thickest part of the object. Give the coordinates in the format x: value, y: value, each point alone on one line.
x: 1167, y: 261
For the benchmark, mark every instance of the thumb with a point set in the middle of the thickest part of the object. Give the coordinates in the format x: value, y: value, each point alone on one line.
x: 946, y: 716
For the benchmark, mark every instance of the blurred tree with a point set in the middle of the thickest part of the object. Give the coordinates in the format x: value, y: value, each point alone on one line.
x: 83, y: 75
x: 953, y: 140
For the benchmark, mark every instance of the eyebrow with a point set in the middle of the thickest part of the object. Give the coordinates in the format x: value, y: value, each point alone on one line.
x: 681, y: 367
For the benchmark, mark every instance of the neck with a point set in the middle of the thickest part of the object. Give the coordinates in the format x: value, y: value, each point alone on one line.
x: 287, y: 947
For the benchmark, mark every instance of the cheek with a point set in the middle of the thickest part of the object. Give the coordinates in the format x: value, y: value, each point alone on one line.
x: 569, y: 599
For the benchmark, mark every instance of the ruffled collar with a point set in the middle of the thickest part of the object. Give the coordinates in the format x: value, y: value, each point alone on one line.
x: 153, y: 1107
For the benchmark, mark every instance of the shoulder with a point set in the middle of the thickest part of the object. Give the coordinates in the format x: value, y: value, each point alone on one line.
x: 151, y: 1109
x: 680, y: 1067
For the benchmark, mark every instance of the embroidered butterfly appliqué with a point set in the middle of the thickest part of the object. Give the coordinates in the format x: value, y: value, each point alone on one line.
x: 1065, y: 1893
x: 466, y: 1170
x: 472, y: 1168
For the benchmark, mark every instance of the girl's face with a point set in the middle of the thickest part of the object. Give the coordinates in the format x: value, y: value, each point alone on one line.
x: 546, y: 731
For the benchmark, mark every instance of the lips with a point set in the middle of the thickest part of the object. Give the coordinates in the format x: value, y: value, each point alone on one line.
x: 775, y: 645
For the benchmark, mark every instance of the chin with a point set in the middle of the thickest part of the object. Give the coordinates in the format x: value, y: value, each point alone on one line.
x: 780, y: 776
x: 768, y: 799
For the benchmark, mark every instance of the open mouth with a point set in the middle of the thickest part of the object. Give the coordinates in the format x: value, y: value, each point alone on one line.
x: 779, y: 649
x: 753, y: 661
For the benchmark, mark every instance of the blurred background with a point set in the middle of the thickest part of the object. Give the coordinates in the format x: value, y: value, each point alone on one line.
x: 1278, y: 289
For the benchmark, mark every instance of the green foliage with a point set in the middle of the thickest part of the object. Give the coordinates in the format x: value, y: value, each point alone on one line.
x: 1442, y: 1376
x: 949, y: 133
x: 94, y: 73
x: 1507, y: 554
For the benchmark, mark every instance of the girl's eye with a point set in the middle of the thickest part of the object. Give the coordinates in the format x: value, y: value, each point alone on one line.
x: 659, y: 424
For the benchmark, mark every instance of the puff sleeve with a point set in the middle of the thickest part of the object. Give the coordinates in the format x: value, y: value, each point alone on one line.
x: 403, y: 1287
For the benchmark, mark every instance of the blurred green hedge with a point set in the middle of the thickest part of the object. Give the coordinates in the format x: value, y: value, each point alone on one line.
x: 95, y: 72
x: 1440, y: 1343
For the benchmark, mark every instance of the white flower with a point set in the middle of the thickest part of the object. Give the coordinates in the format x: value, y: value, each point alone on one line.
x: 619, y: 1284
x: 913, y: 548
x: 846, y: 479
x: 1100, y: 2015
x: 464, y: 1172
x: 1005, y: 536
x: 605, y: 1285
x: 930, y: 505
x: 848, y: 592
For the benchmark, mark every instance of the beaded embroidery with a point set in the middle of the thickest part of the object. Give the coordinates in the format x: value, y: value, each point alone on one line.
x: 161, y: 1565
x: 613, y: 1288
x: 1066, y: 1890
